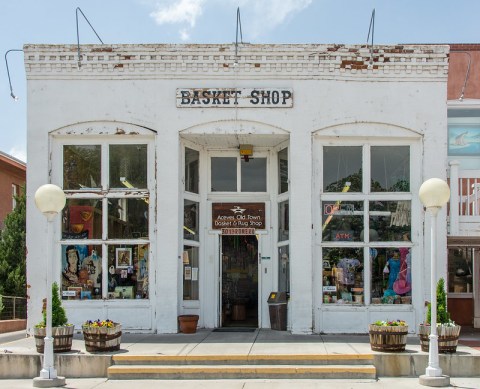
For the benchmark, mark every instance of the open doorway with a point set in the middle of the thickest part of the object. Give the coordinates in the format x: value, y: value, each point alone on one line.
x: 239, y: 297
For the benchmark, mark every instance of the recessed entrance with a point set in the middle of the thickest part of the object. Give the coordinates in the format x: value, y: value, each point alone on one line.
x: 239, y: 297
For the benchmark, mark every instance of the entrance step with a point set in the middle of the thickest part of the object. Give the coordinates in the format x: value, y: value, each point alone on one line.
x: 242, y: 366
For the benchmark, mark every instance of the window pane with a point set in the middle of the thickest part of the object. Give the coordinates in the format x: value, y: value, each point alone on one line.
x: 128, y: 271
x: 81, y: 272
x: 283, y: 171
x: 192, y: 158
x: 190, y: 220
x: 127, y: 218
x: 343, y: 276
x: 254, y: 175
x: 460, y: 270
x: 128, y: 166
x: 283, y: 221
x: 391, y: 275
x: 342, y: 221
x: 81, y: 167
x: 390, y: 168
x: 342, y: 165
x: 224, y: 174
x: 390, y: 220
x: 284, y: 269
x: 82, y: 219
x: 190, y: 273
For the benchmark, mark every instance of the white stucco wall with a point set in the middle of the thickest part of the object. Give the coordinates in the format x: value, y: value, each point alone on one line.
x: 136, y: 84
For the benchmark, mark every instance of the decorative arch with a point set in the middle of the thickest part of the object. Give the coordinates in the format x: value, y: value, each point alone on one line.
x: 368, y: 129
x: 93, y: 128
x: 231, y: 133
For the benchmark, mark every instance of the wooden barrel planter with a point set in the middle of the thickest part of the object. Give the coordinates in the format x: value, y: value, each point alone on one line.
x: 101, y: 339
x: 188, y: 323
x: 447, y: 338
x: 388, y: 338
x: 62, y: 338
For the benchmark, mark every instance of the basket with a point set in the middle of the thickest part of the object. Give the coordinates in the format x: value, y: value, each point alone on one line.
x: 388, y: 338
x: 62, y: 338
x: 100, y: 339
x: 447, y: 338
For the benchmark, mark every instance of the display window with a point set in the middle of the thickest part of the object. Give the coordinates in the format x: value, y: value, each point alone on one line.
x: 105, y: 240
x: 235, y: 174
x: 190, y: 273
x: 190, y: 258
x: 366, y: 188
x: 460, y: 270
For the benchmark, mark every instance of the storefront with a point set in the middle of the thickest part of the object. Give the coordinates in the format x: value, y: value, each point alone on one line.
x: 198, y: 181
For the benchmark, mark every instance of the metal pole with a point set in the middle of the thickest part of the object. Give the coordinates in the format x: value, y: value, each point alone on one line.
x: 48, y: 370
x: 433, y: 369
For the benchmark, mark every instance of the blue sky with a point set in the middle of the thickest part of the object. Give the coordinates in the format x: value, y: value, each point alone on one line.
x: 214, y: 21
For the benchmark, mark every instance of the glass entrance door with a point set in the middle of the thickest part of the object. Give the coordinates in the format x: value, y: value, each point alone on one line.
x: 239, y: 292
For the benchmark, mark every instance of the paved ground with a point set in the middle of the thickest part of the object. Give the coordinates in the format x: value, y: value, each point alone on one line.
x: 387, y: 383
x: 206, y: 342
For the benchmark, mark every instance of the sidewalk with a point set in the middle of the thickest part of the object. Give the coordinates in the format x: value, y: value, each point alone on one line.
x: 382, y: 383
x: 411, y: 363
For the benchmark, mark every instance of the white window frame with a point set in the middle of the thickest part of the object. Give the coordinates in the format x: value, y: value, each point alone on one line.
x: 58, y: 141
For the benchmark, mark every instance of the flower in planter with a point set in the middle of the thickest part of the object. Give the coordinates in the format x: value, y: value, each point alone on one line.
x: 392, y: 323
x: 99, y: 323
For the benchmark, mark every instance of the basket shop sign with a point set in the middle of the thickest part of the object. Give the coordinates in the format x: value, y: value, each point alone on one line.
x: 235, y: 98
x: 227, y: 216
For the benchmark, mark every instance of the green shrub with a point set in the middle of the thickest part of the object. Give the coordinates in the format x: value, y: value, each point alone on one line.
x: 59, y: 317
x: 443, y: 317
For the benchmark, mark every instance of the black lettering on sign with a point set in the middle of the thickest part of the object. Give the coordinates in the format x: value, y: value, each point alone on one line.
x: 286, y: 95
x: 185, y: 97
x: 254, y: 95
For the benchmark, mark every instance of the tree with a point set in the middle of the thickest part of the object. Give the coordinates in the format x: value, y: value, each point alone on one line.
x: 13, y: 251
x: 59, y: 317
x: 443, y: 317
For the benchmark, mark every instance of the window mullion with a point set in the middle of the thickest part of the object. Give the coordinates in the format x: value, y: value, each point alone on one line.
x: 239, y: 175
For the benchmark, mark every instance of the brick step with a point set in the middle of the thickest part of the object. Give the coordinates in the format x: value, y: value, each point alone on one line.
x: 241, y: 371
x: 280, y: 359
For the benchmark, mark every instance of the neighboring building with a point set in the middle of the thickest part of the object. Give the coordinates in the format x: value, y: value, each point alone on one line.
x: 464, y: 160
x: 13, y: 174
x: 199, y: 181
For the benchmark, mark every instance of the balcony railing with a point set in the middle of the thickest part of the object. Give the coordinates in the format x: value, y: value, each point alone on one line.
x: 464, y: 207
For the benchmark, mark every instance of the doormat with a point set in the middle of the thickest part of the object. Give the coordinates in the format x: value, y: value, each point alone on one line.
x: 234, y: 329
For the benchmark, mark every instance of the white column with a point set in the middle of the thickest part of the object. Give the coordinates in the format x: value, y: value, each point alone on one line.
x: 454, y: 198
x: 301, y: 265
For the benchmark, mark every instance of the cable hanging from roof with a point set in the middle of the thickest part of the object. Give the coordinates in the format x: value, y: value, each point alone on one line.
x: 14, y: 97
x: 239, y: 29
x: 371, y: 29
x: 78, y: 34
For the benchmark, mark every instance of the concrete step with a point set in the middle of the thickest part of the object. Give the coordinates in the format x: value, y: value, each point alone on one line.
x: 252, y: 359
x: 240, y: 371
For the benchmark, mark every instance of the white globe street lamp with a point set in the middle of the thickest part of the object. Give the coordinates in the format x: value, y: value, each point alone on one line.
x: 50, y: 200
x: 434, y: 194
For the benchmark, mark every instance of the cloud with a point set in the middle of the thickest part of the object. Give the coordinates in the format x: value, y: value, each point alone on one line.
x: 268, y: 14
x: 261, y: 15
x: 20, y: 154
x: 181, y: 11
x: 184, y: 34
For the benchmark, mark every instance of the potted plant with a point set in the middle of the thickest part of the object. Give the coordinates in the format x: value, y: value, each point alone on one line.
x: 188, y: 323
x: 102, y: 335
x: 388, y: 336
x: 62, y: 332
x: 448, y: 332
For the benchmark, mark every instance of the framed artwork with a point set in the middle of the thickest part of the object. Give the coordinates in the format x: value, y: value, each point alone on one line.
x: 464, y: 140
x: 123, y: 258
x: 77, y: 290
